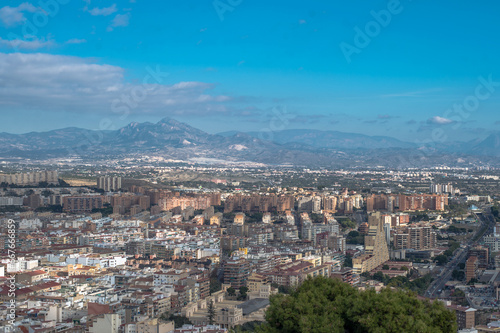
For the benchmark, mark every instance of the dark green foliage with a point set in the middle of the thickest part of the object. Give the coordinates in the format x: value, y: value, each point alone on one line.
x: 211, y: 312
x: 330, y: 306
x: 348, y: 261
x: 456, y: 209
x: 495, y: 212
x: 441, y: 259
x: 179, y: 321
x: 458, y: 275
x: 472, y: 281
x: 231, y: 291
x: 219, y: 209
x: 458, y: 297
x: 106, y: 211
x: 254, y: 218
x: 457, y: 230
x: 50, y: 208
x: 10, y: 209
x: 47, y: 193
x: 419, y: 285
x: 284, y: 289
x: 346, y: 223
x: 250, y: 326
x: 417, y: 217
x: 354, y: 237
x: 379, y: 276
x: 453, y: 247
x: 215, y: 285
x: 243, y: 293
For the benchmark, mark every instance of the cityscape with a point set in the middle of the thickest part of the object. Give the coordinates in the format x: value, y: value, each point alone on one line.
x: 232, y: 166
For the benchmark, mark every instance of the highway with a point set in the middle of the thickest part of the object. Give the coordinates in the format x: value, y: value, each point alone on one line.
x: 445, y: 275
x: 459, y: 256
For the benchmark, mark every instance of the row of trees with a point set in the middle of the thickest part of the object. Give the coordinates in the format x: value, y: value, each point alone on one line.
x: 61, y: 183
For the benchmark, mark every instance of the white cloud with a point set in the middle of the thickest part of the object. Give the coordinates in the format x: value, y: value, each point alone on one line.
x: 76, y: 41
x: 120, y: 20
x: 12, y: 16
x: 440, y: 120
x: 103, y: 11
x: 41, y: 81
x: 21, y: 44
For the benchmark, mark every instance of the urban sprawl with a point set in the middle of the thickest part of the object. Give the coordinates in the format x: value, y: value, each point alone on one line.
x: 193, y: 248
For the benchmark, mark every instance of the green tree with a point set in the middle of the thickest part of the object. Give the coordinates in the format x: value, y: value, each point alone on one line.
x: 347, y: 223
x: 457, y: 275
x: 211, y: 312
x: 348, y: 261
x: 472, y: 281
x: 441, y: 259
x: 231, y: 291
x: 284, y: 289
x: 385, y: 267
x: 331, y: 306
x: 243, y: 293
x: 47, y: 193
x: 251, y: 326
x: 215, y: 284
x: 179, y: 321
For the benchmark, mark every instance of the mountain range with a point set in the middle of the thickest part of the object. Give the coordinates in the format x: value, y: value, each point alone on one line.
x: 173, y: 139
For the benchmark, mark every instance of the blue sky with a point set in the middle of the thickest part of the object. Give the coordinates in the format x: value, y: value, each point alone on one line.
x: 229, y: 64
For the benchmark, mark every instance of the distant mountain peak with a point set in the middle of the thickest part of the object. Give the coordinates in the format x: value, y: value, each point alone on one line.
x: 170, y: 121
x: 175, y: 139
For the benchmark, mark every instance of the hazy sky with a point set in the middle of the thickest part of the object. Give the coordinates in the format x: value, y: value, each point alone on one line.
x: 375, y: 67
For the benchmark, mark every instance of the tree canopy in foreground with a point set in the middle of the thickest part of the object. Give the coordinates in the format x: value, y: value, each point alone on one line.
x: 329, y: 305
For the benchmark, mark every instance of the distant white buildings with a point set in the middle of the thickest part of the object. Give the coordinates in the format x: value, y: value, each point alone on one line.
x: 19, y: 265
x: 108, y: 183
x: 11, y: 201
